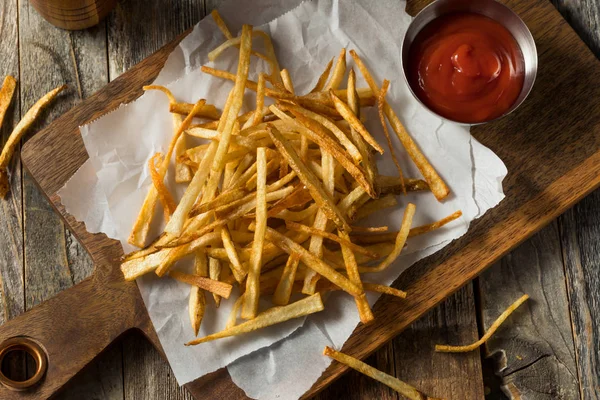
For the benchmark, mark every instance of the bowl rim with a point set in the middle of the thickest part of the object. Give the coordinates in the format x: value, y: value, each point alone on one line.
x: 523, y: 95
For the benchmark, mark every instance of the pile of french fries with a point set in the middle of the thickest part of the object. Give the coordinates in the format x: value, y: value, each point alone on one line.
x: 274, y: 195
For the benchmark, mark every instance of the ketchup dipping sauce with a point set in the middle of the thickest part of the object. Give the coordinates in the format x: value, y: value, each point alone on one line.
x: 466, y: 67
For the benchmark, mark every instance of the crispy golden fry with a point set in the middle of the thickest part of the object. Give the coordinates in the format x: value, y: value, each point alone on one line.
x: 299, y: 197
x: 6, y: 94
x: 388, y: 380
x: 235, y: 42
x: 419, y: 230
x: 317, y: 134
x: 224, y: 198
x: 221, y: 24
x: 211, y: 134
x: 287, y: 81
x: 369, y: 229
x: 323, y: 78
x: 464, y: 349
x: 141, y: 227
x: 436, y: 183
x: 338, y: 71
x: 374, y: 287
x: 207, y: 111
x: 260, y: 101
x: 220, y: 288
x: 380, y: 105
x: 311, y: 261
x: 294, y: 226
x: 352, y: 119
x: 298, y: 215
x: 273, y: 316
x: 237, y: 268
x: 409, y: 213
x: 235, y: 310
x: 165, y: 197
x: 20, y: 129
x: 250, y: 307
x: 197, y: 300
x: 322, y: 198
x: 364, y: 309
x: 214, y: 273
x: 393, y: 185
x: 282, y: 294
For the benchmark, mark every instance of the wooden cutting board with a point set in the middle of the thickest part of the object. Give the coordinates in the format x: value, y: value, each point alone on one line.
x: 551, y: 147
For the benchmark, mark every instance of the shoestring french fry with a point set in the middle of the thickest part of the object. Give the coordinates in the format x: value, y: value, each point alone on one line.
x: 380, y: 107
x: 394, y: 383
x: 24, y: 124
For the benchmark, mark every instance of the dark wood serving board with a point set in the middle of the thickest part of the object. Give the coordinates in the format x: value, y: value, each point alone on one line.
x: 551, y: 147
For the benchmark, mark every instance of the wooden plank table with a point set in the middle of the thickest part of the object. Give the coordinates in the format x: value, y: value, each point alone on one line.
x: 550, y: 349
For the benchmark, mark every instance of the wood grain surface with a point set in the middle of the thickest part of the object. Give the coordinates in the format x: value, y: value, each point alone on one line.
x: 146, y: 375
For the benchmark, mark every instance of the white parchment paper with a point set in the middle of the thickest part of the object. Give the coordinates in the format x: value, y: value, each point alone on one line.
x: 284, y: 361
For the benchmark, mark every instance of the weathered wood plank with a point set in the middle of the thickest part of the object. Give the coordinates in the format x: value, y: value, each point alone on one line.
x: 533, y: 351
x: 136, y: 29
x: 356, y: 386
x: 580, y: 230
x: 53, y: 259
x: 450, y: 376
x: 584, y: 17
x: 12, y: 297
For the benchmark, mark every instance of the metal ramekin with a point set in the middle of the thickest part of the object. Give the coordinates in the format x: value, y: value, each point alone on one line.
x: 492, y: 9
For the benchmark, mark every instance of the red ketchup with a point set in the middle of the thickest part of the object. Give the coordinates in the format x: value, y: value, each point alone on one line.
x: 466, y: 67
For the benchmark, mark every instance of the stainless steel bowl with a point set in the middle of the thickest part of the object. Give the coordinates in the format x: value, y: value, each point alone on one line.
x: 492, y: 9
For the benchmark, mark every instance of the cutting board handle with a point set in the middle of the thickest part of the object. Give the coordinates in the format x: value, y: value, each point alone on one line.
x: 68, y: 331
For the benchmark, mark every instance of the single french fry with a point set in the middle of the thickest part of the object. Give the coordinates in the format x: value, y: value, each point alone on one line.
x: 6, y: 94
x: 260, y: 101
x: 388, y: 380
x: 323, y: 78
x: 409, y: 213
x: 221, y: 24
x: 282, y: 294
x: 372, y: 206
x: 19, y: 130
x: 374, y: 287
x: 273, y: 316
x: 207, y: 111
x: 393, y: 185
x: 220, y: 288
x: 214, y: 273
x: 464, y: 349
x: 165, y: 197
x: 391, y: 236
x: 233, y: 314
x: 346, y: 112
x: 222, y: 199
x: 197, y: 300
x: 237, y: 268
x: 287, y: 81
x: 338, y: 71
x: 250, y: 307
x: 380, y: 106
x: 436, y: 183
